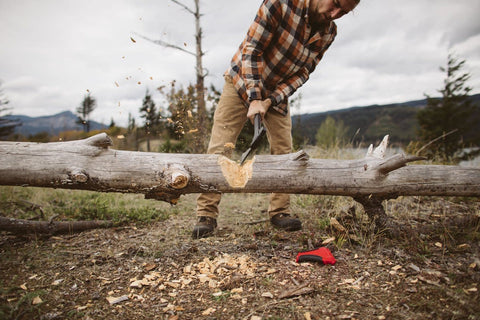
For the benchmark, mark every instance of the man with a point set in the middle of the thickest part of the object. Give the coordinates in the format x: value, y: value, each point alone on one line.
x: 283, y: 46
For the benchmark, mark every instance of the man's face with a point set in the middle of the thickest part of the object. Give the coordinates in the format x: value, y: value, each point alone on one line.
x: 327, y: 10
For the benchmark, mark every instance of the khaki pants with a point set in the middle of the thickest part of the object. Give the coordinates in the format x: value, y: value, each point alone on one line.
x: 229, y: 119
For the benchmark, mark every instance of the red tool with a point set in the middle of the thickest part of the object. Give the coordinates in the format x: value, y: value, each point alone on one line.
x: 321, y: 254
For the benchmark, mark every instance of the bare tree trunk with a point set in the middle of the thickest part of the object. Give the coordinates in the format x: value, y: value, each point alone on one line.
x: 90, y: 165
x: 200, y: 143
x: 201, y: 107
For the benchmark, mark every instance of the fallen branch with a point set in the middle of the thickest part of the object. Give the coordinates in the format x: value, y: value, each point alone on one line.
x: 20, y: 226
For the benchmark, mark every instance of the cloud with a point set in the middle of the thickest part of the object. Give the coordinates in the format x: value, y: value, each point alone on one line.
x: 54, y: 51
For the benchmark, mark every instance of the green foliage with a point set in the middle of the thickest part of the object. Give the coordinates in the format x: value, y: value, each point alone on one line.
x: 39, y: 137
x: 86, y: 107
x: 78, y: 205
x: 331, y: 134
x: 445, y: 121
x: 172, y: 147
x: 21, y: 308
x: 148, y: 111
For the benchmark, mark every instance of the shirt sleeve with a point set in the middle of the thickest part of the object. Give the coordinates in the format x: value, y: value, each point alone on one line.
x: 288, y: 87
x: 258, y: 38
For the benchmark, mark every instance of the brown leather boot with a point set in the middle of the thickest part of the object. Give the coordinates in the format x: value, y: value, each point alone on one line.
x: 286, y: 222
x: 204, y: 227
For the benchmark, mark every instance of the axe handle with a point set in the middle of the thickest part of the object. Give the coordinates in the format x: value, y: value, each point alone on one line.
x: 257, y: 124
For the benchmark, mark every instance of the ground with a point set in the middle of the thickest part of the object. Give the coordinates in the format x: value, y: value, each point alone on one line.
x: 428, y: 269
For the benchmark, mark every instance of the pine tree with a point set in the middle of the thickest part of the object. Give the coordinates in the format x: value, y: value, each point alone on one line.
x: 444, y: 121
x: 88, y: 105
x: 148, y: 112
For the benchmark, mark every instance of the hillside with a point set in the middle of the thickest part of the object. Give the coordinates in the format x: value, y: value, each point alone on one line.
x: 372, y: 122
x: 53, y: 125
x: 367, y: 124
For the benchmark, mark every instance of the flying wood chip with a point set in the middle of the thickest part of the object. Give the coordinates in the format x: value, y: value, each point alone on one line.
x: 133, y: 40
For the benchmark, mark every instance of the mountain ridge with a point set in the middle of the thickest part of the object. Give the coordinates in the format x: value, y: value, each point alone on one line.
x: 53, y: 124
x: 366, y: 124
x: 369, y: 124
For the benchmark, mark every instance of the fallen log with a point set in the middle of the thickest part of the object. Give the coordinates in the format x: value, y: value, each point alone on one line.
x: 91, y: 165
x: 49, y: 228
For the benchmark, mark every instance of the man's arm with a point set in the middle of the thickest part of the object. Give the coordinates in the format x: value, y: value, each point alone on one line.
x: 290, y: 85
x: 258, y: 38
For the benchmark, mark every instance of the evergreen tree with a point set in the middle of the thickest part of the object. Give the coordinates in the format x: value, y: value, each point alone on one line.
x: 88, y: 105
x: 444, y: 121
x: 148, y: 112
x: 131, y: 126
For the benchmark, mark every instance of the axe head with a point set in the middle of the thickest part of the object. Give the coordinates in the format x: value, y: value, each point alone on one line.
x: 259, y: 132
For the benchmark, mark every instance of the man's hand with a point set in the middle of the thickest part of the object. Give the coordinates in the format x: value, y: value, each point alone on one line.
x: 258, y: 106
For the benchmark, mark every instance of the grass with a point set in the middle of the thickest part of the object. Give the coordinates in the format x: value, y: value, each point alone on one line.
x: 44, y: 204
x: 16, y: 308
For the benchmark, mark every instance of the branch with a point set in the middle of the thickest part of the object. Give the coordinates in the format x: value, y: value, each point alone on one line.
x: 184, y: 6
x: 395, y: 162
x: 436, y: 139
x: 19, y: 226
x: 166, y: 44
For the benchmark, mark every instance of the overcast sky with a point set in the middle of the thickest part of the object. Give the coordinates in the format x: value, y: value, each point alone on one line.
x: 54, y: 52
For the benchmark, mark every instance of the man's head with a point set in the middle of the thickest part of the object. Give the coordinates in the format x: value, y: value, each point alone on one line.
x: 327, y: 10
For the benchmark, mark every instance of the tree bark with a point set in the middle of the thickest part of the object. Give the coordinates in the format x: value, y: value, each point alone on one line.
x: 90, y: 165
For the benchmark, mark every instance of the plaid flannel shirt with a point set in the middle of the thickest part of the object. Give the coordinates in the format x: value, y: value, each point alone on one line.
x: 278, y: 54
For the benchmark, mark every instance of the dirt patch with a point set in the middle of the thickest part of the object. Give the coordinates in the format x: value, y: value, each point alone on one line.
x: 430, y: 270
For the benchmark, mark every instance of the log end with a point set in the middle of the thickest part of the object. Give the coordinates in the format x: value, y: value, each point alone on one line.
x: 179, y: 180
x: 177, y: 176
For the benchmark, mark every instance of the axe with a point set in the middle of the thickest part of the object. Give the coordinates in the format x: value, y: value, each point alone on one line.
x: 258, y: 133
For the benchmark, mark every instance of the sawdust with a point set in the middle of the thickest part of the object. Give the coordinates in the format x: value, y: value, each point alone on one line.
x: 228, y: 149
x: 236, y: 175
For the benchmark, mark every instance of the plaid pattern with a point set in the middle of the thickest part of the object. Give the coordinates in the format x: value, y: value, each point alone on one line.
x: 279, y: 52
